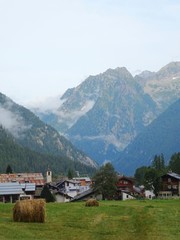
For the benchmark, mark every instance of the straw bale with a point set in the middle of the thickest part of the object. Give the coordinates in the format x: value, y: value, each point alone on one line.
x: 92, y: 203
x: 29, y: 211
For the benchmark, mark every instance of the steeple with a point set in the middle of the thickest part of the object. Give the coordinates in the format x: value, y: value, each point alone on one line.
x: 48, y: 176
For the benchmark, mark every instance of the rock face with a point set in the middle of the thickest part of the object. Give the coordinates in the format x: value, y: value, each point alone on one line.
x: 163, y: 86
x: 29, y: 131
x: 103, y: 114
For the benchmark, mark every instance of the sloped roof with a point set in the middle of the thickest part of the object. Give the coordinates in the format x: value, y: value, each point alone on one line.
x: 62, y: 193
x: 83, y: 194
x: 36, y: 178
x: 120, y: 177
x: 174, y: 175
x: 28, y: 187
x: 12, y: 188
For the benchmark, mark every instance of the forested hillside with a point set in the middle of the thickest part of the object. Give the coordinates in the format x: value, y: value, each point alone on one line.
x: 22, y: 159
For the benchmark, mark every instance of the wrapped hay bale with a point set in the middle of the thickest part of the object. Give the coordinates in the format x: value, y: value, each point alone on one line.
x: 92, y: 203
x: 29, y: 211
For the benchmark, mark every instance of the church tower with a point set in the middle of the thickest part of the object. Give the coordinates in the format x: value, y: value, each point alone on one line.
x: 48, y: 176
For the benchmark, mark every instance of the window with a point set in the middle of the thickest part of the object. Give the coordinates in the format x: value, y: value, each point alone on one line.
x: 169, y: 186
x: 169, y: 179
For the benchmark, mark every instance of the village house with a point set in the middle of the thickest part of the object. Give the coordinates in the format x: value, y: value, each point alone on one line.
x: 65, y: 189
x: 170, y: 185
x: 85, y: 183
x: 20, y: 186
x: 126, y: 188
x: 10, y: 192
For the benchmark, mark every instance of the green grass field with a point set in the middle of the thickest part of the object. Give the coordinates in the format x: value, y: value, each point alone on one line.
x: 156, y: 219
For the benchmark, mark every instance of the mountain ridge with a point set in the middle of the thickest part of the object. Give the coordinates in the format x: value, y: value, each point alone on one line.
x: 161, y: 136
x: 31, y: 132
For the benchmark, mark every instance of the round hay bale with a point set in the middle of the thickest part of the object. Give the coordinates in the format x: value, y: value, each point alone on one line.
x: 29, y: 211
x: 92, y: 203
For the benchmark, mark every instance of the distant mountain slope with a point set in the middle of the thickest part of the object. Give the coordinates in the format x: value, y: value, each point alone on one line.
x: 103, y: 114
x: 161, y: 136
x: 31, y: 132
x: 163, y: 86
x: 22, y: 159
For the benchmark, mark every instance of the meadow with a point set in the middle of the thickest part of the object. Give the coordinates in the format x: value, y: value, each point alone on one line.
x: 120, y: 220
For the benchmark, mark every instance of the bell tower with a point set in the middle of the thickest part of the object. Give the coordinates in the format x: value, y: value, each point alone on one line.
x: 48, y: 176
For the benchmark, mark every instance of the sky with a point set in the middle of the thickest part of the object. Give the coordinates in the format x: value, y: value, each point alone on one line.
x: 48, y: 46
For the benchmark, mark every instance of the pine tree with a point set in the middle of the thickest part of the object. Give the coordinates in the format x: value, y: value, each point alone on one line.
x: 174, y: 163
x: 9, y: 169
x: 105, y: 181
x: 70, y: 174
x: 47, y: 195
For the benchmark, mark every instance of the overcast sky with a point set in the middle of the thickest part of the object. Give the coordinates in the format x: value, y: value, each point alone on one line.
x: 47, y: 46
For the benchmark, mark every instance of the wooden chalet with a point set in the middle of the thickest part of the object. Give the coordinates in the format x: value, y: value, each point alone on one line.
x: 170, y: 185
x: 126, y: 188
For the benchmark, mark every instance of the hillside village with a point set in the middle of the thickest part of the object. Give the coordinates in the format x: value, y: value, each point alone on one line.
x: 23, y: 186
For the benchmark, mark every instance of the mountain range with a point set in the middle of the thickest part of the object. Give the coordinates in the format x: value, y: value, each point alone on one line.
x: 112, y: 116
x: 106, y: 112
x: 25, y: 130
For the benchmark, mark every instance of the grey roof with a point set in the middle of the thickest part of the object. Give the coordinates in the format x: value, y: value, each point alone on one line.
x: 62, y: 193
x: 83, y: 194
x: 175, y: 175
x: 28, y: 187
x: 11, y: 188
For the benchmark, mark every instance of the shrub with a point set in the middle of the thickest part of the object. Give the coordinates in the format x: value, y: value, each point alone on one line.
x: 29, y: 211
x: 92, y: 203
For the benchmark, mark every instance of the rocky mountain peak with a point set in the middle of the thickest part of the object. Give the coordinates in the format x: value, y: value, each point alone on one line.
x: 170, y: 70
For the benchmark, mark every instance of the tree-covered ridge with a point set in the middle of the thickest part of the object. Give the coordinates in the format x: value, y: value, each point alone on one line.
x: 31, y: 132
x: 161, y: 136
x: 22, y: 159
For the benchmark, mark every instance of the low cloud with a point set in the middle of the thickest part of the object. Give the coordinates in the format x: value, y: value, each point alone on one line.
x: 72, y: 116
x: 49, y: 104
x: 12, y: 122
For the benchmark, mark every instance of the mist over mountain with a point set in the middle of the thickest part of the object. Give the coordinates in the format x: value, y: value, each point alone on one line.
x: 22, y: 159
x: 29, y: 131
x: 104, y: 113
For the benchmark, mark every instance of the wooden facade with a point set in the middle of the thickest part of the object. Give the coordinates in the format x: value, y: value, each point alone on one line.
x: 170, y: 185
x: 125, y: 184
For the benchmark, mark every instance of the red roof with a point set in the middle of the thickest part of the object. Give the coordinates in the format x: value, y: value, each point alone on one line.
x: 36, y: 178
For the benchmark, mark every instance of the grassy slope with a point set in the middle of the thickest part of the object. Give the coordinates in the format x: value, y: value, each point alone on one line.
x: 157, y: 219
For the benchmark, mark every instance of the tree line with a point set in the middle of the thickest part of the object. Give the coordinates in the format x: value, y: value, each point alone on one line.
x: 105, y: 178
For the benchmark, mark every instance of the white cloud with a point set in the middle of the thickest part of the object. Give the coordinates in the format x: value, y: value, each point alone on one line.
x: 49, y: 104
x: 71, y: 117
x: 12, y: 122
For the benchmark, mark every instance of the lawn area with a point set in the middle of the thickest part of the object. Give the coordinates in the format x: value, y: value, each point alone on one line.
x: 156, y: 219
